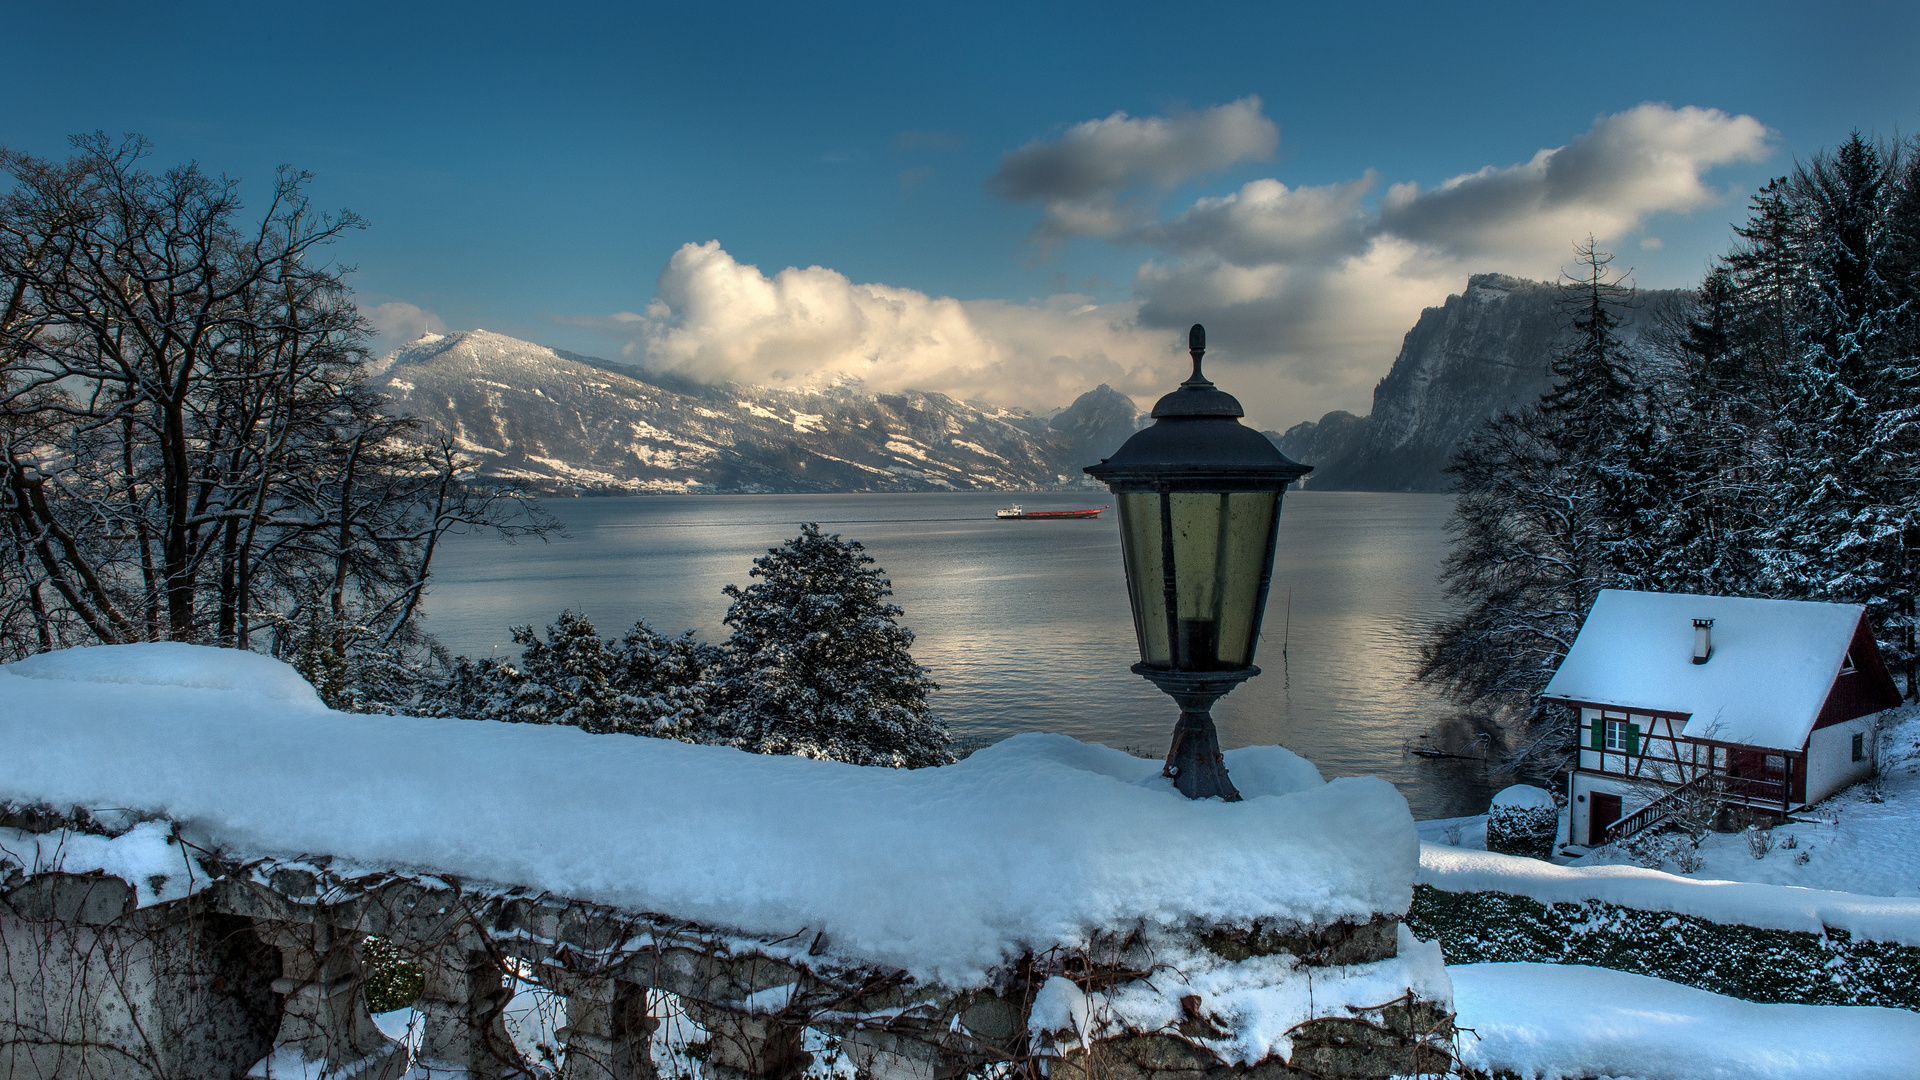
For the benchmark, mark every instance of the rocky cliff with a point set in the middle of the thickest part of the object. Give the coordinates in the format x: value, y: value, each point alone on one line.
x: 1484, y: 352
x: 563, y: 422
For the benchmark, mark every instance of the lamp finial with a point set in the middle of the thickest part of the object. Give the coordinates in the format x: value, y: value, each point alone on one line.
x: 1197, y: 346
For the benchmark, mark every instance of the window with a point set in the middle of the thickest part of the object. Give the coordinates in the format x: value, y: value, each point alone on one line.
x: 1859, y: 747
x: 1614, y: 734
x: 1776, y: 763
x: 1847, y: 666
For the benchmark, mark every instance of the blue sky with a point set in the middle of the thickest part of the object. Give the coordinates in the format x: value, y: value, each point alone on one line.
x: 983, y: 221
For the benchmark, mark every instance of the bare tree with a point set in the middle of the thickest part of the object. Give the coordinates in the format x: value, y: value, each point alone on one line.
x: 188, y: 446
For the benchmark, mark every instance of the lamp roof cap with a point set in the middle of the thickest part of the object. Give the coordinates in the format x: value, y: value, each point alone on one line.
x: 1197, y: 396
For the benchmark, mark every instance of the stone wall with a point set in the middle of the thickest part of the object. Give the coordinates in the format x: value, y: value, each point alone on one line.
x: 261, y: 973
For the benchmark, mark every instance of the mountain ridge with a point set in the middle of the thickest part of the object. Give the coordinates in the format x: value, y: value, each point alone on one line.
x: 1486, y: 350
x: 565, y: 422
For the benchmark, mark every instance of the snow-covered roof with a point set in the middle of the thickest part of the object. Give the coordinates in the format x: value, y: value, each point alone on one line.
x: 947, y: 872
x: 1773, y: 662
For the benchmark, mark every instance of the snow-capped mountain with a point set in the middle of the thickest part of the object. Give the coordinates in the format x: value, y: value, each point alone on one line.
x: 559, y: 421
x: 1486, y: 351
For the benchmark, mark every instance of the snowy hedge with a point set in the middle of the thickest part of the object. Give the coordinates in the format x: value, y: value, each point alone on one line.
x: 1739, y: 961
x: 1523, y: 821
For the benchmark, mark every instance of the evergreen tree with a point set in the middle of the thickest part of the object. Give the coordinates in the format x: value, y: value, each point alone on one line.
x: 1708, y: 508
x: 1553, y: 503
x: 1847, y: 509
x: 818, y: 665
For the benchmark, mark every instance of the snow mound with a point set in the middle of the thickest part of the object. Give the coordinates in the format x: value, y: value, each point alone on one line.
x: 1568, y: 1020
x: 946, y: 872
x: 172, y: 664
x: 1525, y: 797
x: 1772, y: 907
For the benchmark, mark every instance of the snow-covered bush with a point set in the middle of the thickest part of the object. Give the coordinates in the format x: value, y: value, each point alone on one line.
x: 642, y: 684
x: 1831, y: 967
x: 1759, y: 841
x: 1654, y: 850
x: 818, y: 665
x: 1523, y: 821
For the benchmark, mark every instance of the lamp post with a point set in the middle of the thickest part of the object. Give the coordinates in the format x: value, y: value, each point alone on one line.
x: 1199, y: 498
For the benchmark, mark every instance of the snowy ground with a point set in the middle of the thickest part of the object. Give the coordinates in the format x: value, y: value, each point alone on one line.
x: 1564, y: 1020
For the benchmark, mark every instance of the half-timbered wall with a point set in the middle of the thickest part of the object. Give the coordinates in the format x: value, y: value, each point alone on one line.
x: 1652, y: 748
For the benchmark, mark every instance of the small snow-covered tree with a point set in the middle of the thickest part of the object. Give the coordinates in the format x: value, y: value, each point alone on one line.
x: 818, y: 665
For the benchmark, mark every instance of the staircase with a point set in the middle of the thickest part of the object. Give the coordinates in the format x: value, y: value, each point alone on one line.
x: 1664, y: 807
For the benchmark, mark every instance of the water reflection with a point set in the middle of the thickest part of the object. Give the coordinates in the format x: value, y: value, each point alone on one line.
x: 1025, y: 623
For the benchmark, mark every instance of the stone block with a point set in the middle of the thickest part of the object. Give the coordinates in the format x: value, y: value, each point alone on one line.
x: 179, y: 993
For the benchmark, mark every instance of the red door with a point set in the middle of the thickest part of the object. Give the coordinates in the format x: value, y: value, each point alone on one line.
x: 1602, y: 811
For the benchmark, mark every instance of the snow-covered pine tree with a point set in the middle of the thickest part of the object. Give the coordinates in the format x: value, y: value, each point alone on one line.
x: 568, y: 678
x: 666, y: 683
x: 1551, y: 503
x: 1606, y: 420
x: 1846, y: 518
x: 1709, y: 506
x: 818, y: 665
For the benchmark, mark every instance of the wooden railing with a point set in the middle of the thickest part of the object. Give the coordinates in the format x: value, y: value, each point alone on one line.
x: 1751, y: 791
x: 1717, y: 786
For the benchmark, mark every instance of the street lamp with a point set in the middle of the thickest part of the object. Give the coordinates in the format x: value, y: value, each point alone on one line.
x: 1199, y: 497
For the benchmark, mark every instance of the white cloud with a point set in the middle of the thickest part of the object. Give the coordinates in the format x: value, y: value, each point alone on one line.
x: 396, y: 323
x: 1626, y: 168
x: 1267, y: 222
x: 1080, y: 177
x: 717, y: 319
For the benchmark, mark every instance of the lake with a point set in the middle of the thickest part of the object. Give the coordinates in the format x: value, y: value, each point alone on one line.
x: 1024, y: 623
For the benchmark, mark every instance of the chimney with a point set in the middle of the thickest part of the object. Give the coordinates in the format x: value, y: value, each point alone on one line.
x: 1702, y: 640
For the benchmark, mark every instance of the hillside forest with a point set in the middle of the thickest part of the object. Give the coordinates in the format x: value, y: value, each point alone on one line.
x: 1760, y: 438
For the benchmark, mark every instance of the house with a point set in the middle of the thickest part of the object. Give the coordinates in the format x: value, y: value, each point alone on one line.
x: 1772, y: 704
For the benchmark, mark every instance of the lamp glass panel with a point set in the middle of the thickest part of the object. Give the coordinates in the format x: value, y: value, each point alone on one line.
x: 1251, y: 517
x: 1146, y: 580
x: 1219, y: 550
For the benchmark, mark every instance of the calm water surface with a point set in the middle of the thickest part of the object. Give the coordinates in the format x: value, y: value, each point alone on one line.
x: 1024, y: 623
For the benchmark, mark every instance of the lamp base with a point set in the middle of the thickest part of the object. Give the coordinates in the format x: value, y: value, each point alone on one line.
x: 1194, y: 762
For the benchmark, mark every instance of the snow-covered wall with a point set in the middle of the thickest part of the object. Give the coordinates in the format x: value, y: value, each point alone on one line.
x: 946, y: 873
